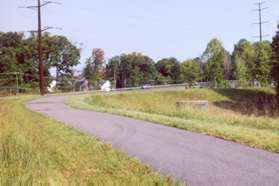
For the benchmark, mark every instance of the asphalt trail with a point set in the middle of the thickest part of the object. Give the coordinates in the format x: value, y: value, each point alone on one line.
x: 199, y: 159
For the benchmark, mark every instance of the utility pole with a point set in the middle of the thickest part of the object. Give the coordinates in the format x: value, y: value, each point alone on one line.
x: 40, y: 50
x: 260, y: 9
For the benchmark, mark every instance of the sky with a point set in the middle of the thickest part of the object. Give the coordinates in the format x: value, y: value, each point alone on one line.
x: 157, y: 28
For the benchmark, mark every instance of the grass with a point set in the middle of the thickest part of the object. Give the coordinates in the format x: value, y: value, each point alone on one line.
x: 35, y: 150
x: 246, y: 116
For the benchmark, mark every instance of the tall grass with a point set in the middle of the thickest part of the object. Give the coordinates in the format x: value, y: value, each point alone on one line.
x: 35, y: 150
x: 246, y: 116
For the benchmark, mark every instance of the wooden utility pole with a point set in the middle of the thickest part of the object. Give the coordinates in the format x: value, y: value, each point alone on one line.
x: 40, y: 50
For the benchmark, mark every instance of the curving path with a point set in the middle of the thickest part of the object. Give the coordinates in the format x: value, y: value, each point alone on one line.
x: 199, y: 159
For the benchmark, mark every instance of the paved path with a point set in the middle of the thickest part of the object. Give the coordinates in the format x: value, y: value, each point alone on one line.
x: 199, y: 159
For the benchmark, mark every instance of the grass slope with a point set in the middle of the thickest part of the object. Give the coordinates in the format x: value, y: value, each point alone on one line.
x: 35, y: 150
x: 246, y: 116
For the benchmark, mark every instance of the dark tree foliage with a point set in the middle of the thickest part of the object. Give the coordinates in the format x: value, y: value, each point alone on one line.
x: 170, y: 69
x: 19, y: 54
x: 275, y: 70
x: 94, y: 70
x: 131, y: 70
x: 228, y: 66
x: 113, y: 71
x: 62, y: 55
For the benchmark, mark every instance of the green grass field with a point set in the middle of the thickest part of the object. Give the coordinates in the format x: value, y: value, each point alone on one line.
x: 246, y: 116
x: 35, y: 150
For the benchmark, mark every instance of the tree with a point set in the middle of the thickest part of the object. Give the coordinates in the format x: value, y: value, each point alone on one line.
x: 261, y: 69
x: 58, y: 53
x: 169, y: 68
x: 252, y: 62
x: 10, y: 44
x: 113, y: 70
x: 275, y: 69
x: 63, y: 55
x: 191, y: 71
x: 214, y: 57
x: 244, y: 57
x: 94, y: 70
x: 142, y: 69
x: 130, y: 70
x: 228, y: 66
x: 19, y: 54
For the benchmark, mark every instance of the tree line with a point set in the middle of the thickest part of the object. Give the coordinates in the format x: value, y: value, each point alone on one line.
x: 249, y: 63
x: 18, y: 53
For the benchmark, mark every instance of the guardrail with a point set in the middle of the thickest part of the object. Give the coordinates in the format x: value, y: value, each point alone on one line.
x: 230, y: 84
x: 142, y: 88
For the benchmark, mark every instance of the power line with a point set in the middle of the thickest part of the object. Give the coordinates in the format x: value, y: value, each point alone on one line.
x: 260, y: 9
x: 40, y: 30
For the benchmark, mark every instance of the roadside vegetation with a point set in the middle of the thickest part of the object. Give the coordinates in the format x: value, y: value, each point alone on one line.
x: 246, y: 116
x: 35, y: 150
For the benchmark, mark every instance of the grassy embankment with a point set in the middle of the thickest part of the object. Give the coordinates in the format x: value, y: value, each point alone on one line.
x: 35, y: 150
x: 245, y: 116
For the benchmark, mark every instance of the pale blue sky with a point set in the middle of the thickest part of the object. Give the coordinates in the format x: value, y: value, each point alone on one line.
x: 158, y: 28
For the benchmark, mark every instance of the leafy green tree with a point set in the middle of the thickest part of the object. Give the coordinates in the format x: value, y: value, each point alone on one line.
x: 16, y: 56
x: 252, y: 62
x: 275, y: 69
x: 214, y: 56
x: 113, y: 70
x: 169, y: 68
x: 10, y: 44
x: 19, y: 54
x: 161, y: 80
x: 63, y: 56
x: 58, y: 53
x: 130, y: 70
x: 8, y: 59
x: 228, y: 66
x: 141, y: 69
x: 11, y: 39
x: 94, y: 70
x: 244, y: 57
x: 261, y: 68
x: 191, y: 71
